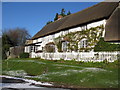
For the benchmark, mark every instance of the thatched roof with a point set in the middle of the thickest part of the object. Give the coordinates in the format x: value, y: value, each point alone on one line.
x: 50, y: 28
x: 112, y: 27
x: 97, y: 12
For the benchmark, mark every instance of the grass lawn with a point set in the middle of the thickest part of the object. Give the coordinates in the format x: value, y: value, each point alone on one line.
x: 70, y: 73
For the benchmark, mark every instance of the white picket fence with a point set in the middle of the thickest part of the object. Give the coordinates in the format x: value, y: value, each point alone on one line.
x: 81, y: 56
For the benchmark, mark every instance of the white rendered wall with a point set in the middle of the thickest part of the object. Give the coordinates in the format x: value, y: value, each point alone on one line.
x: 50, y: 38
x: 75, y: 29
x: 27, y: 49
x: 95, y: 24
x: 39, y: 48
x: 35, y: 41
x: 39, y: 39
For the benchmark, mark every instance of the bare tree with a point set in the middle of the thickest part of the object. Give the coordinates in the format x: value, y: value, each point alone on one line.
x: 18, y: 36
x: 13, y: 37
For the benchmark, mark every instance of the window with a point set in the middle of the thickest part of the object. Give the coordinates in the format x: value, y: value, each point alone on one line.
x: 35, y: 48
x: 26, y: 49
x: 82, y: 44
x: 50, y: 48
x: 64, y: 46
x: 31, y: 48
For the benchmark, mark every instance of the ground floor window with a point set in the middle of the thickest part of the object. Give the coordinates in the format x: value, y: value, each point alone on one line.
x: 82, y: 44
x: 64, y: 46
x: 35, y: 48
x: 50, y: 47
x: 31, y: 48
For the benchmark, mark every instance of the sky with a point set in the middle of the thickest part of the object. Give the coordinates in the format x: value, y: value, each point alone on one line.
x: 33, y: 16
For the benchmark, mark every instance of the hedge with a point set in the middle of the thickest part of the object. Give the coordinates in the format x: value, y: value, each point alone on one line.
x: 24, y: 55
x: 106, y: 46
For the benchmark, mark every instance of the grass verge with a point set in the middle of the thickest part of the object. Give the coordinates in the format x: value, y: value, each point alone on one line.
x: 70, y: 73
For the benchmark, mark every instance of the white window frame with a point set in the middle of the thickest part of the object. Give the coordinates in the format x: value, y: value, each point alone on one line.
x: 65, y: 46
x: 82, y: 43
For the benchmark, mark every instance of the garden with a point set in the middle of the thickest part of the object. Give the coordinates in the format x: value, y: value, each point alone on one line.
x: 76, y: 74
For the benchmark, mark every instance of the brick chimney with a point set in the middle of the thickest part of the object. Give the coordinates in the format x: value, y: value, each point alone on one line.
x: 59, y: 17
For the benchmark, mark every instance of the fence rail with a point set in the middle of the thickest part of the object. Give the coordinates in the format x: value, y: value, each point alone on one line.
x: 81, y: 56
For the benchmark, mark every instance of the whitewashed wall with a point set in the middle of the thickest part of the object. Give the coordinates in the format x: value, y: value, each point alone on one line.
x: 27, y: 49
x: 50, y: 38
x: 82, y: 56
x: 78, y: 56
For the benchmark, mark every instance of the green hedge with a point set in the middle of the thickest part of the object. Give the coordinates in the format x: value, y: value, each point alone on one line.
x: 24, y: 55
x: 106, y: 46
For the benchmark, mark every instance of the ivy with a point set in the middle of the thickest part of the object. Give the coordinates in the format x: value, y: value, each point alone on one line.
x: 92, y: 36
x: 58, y: 43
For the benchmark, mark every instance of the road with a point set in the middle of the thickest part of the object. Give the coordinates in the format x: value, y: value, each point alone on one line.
x: 13, y: 83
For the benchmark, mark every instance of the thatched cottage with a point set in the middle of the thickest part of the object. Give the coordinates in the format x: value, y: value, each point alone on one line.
x: 78, y: 32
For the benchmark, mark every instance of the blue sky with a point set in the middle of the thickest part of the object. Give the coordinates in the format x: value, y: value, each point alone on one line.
x: 34, y: 15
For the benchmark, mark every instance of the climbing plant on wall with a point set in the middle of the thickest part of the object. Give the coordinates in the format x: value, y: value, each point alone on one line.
x: 58, y: 43
x: 92, y: 36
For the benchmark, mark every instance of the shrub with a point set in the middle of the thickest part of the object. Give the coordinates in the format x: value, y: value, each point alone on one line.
x: 37, y: 58
x: 24, y: 55
x: 105, y: 61
x: 4, y: 56
x: 80, y: 62
x: 106, y: 46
